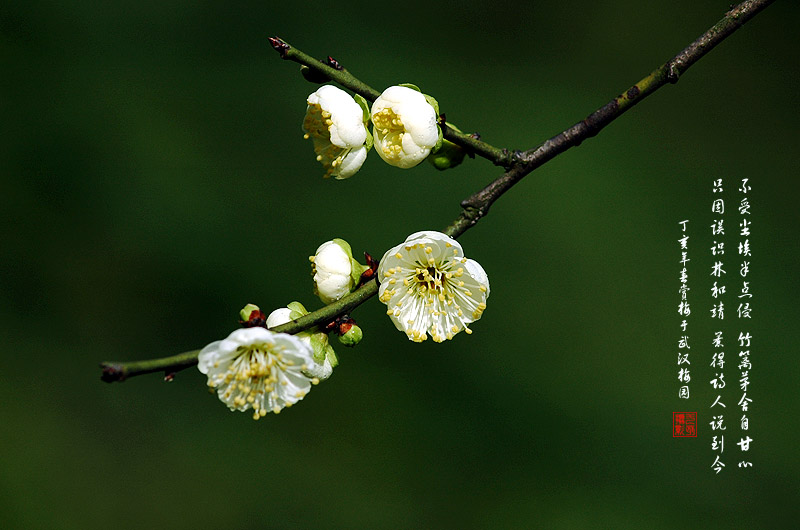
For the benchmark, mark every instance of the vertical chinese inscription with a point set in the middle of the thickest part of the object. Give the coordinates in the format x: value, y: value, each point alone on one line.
x: 684, y: 310
x: 744, y: 314
x: 717, y: 313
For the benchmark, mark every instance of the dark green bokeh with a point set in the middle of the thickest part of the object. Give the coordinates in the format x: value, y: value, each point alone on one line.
x: 155, y: 180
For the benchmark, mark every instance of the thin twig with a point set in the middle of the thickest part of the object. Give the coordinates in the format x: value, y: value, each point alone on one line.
x: 477, y: 205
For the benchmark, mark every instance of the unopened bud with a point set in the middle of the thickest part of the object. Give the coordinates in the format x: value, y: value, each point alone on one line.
x: 352, y: 336
x: 448, y: 156
x: 251, y: 316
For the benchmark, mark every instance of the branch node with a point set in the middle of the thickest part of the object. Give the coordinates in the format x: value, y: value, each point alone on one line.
x: 672, y: 73
x: 333, y: 63
x: 516, y: 158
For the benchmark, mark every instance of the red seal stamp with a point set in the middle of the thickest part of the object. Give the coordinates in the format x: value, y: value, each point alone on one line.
x: 684, y: 425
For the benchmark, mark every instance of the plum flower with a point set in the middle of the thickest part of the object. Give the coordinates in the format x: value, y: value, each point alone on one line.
x: 335, y: 122
x: 431, y: 288
x: 405, y: 126
x: 259, y: 369
x: 332, y: 269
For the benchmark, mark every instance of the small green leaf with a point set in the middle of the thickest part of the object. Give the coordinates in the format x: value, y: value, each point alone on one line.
x: 319, y: 343
x: 370, y: 141
x: 364, y: 104
x: 331, y: 356
x: 296, y: 310
x: 356, y: 271
x: 345, y: 246
x: 409, y: 85
x: 433, y: 103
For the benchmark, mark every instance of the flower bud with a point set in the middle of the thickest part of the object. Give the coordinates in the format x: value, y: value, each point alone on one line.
x: 448, y: 156
x: 251, y: 316
x: 352, y: 336
x: 335, y: 271
x: 244, y: 314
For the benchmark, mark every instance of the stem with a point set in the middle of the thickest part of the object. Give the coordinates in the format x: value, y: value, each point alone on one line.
x: 342, y: 77
x: 169, y: 365
x: 115, y: 371
x: 500, y: 157
x: 477, y: 205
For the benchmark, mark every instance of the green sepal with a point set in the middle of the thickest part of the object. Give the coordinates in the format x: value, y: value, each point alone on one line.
x: 364, y: 104
x: 296, y: 310
x: 439, y: 140
x: 409, y: 85
x: 344, y: 244
x: 446, y: 154
x: 319, y: 345
x: 356, y: 270
x: 370, y: 141
x: 331, y: 356
x: 433, y: 103
x: 244, y: 314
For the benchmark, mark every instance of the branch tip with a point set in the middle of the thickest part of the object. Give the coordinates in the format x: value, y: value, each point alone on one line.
x: 279, y: 46
x: 112, y: 372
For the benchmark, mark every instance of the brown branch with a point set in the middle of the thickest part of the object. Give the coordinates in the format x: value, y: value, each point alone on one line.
x: 477, y: 205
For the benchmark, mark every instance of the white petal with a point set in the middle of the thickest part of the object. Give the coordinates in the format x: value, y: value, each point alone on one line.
x: 207, y: 357
x: 332, y: 259
x: 320, y: 371
x: 476, y: 272
x: 351, y: 163
x: 347, y: 129
x: 278, y: 317
x: 332, y: 268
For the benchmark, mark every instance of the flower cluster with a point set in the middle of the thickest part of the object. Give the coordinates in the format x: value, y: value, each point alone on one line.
x: 404, y: 126
x: 428, y: 284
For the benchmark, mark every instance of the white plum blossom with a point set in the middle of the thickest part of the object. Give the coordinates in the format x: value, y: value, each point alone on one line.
x: 322, y: 370
x: 431, y: 288
x: 335, y: 122
x: 405, y: 128
x: 254, y: 368
x: 333, y: 270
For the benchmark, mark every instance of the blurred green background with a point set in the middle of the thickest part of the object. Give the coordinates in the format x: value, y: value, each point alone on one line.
x: 155, y: 180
